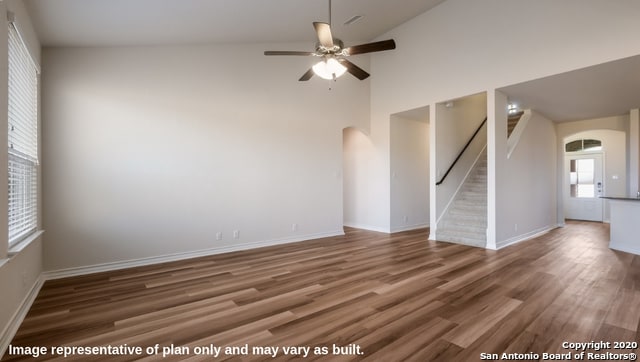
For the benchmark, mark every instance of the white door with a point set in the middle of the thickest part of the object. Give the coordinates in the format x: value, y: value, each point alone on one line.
x: 583, y: 186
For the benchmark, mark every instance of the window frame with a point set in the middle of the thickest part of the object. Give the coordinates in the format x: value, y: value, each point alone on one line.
x: 23, y: 168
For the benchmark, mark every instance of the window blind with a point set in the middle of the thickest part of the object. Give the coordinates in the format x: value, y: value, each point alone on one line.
x: 22, y: 139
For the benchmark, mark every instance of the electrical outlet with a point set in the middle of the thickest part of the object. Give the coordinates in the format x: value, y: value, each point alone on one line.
x: 218, y: 236
x: 406, y: 219
x: 294, y: 227
x: 236, y: 234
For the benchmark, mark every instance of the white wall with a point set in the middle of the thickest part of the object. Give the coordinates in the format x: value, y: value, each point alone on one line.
x: 633, y: 160
x: 409, y: 174
x: 527, y: 197
x: 614, y: 165
x: 19, y: 277
x: 152, y: 151
x: 614, y: 123
x: 497, y: 153
x: 357, y: 158
x: 466, y: 47
x: 456, y: 124
x: 20, y: 271
x: 615, y: 130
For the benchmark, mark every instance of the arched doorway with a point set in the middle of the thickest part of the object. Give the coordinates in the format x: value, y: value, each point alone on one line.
x: 591, y: 157
x: 358, y: 152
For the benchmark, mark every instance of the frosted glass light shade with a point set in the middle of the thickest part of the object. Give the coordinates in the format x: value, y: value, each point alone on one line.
x: 328, y: 68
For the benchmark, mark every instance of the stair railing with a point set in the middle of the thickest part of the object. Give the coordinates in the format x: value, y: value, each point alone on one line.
x: 462, y: 152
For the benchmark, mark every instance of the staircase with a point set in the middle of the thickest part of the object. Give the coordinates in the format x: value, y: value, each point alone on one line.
x: 465, y: 221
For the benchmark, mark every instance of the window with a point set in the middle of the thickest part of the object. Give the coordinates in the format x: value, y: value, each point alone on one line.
x: 582, y: 178
x: 583, y: 145
x: 23, y: 139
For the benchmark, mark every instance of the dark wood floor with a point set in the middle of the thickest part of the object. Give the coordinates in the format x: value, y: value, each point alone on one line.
x: 398, y: 297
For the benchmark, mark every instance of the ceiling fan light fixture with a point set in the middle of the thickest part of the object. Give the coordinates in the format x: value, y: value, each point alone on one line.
x: 333, y: 53
x: 329, y: 69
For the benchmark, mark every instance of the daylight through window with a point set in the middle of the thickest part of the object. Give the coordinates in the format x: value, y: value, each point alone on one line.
x: 23, y: 139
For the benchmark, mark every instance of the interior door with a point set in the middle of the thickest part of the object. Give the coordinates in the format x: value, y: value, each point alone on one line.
x: 583, y: 186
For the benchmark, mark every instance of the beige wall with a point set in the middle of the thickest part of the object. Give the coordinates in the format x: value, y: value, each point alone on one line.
x: 455, y: 123
x: 438, y: 58
x: 613, y: 131
x: 152, y: 151
x: 633, y: 164
x: 357, y: 157
x: 527, y: 198
x: 409, y: 173
x: 19, y: 276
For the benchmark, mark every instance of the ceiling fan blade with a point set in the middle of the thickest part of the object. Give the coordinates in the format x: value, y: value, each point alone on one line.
x: 324, y: 34
x: 287, y: 52
x: 372, y: 47
x: 306, y: 76
x: 354, y: 69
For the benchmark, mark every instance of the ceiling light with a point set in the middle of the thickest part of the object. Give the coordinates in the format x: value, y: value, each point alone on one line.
x: 329, y: 69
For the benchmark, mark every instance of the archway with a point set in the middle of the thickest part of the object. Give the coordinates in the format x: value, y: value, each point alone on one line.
x: 587, y: 149
x: 358, y: 153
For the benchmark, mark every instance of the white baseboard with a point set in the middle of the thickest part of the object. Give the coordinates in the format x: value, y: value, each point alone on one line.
x: 367, y: 227
x: 527, y: 236
x: 409, y: 227
x: 12, y: 328
x: 90, y: 269
x: 626, y: 249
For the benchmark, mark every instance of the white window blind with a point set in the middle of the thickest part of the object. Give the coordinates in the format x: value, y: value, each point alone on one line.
x: 23, y: 139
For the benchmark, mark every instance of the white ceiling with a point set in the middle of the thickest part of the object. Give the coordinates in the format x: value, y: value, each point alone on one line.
x: 164, y: 22
x: 602, y: 90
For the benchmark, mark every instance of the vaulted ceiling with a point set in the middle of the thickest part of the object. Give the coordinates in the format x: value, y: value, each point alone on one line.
x: 162, y: 22
x: 598, y: 91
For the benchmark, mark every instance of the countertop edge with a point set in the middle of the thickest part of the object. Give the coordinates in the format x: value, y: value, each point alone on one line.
x: 620, y: 198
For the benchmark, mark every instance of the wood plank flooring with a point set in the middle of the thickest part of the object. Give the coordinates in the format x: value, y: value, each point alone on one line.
x: 395, y: 297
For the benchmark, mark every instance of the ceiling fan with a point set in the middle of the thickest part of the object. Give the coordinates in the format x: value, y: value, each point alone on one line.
x: 333, y: 54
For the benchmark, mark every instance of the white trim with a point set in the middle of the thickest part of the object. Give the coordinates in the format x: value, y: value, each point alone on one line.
x: 635, y: 251
x: 409, y: 227
x: 530, y: 235
x: 22, y: 244
x: 368, y: 227
x: 18, y: 317
x: 97, y: 268
x: 11, y: 19
x: 14, y: 323
x: 565, y: 180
